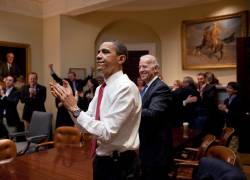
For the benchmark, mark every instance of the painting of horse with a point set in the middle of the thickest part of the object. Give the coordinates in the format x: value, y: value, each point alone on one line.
x: 211, y: 42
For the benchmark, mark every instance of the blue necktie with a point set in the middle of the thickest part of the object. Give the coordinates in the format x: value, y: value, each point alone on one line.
x: 144, y: 91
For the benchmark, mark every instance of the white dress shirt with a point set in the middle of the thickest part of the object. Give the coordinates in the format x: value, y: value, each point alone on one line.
x: 120, y: 115
x: 150, y: 82
x: 7, y: 93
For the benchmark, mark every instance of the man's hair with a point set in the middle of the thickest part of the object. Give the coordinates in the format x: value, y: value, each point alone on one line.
x: 9, y: 52
x: 190, y: 81
x: 34, y: 73
x: 202, y: 74
x: 72, y: 72
x: 153, y: 60
x: 234, y: 85
x: 14, y: 79
x: 121, y: 49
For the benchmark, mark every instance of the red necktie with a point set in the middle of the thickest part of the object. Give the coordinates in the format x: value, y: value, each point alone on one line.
x: 97, y: 117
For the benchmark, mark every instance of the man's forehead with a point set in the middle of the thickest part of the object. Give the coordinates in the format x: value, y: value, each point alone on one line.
x: 146, y: 60
x: 9, y: 78
x: 10, y: 54
x: 107, y: 45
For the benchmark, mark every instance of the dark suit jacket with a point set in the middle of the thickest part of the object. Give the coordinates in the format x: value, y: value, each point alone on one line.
x: 216, y: 169
x: 185, y: 113
x: 62, y: 117
x: 155, y: 129
x: 209, y: 97
x: 14, y: 71
x: 35, y: 103
x: 9, y: 103
x: 209, y: 104
x: 234, y: 114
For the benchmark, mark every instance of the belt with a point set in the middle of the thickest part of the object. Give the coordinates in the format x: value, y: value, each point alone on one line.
x: 118, y: 155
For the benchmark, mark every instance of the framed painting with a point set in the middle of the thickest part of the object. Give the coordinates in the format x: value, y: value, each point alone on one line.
x: 211, y: 42
x: 80, y: 72
x: 18, y: 55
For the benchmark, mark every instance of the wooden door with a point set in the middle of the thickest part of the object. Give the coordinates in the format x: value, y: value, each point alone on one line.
x: 243, y: 77
x: 131, y: 66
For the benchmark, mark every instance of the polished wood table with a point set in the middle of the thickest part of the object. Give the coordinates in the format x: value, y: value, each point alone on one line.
x: 180, y: 141
x: 67, y: 163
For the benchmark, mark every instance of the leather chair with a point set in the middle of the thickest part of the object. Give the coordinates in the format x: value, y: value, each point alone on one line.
x: 64, y: 135
x: 225, y: 136
x: 39, y: 131
x: 7, y: 151
x: 220, y: 163
x: 197, y: 153
x: 223, y: 153
x: 183, y: 168
x: 67, y: 135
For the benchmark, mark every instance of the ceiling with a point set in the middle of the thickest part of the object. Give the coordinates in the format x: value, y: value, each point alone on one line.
x: 46, y: 8
x: 142, y: 5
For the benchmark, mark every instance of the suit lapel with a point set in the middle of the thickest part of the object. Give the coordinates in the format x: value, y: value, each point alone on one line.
x: 12, y: 91
x: 149, y: 91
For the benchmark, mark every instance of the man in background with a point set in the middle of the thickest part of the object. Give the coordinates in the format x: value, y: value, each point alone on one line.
x: 9, y: 97
x: 75, y: 84
x: 33, y: 96
x: 209, y: 106
x: 155, y: 129
x: 9, y: 67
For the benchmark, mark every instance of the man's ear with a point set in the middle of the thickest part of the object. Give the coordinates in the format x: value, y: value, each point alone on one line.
x: 122, y: 59
x: 156, y: 70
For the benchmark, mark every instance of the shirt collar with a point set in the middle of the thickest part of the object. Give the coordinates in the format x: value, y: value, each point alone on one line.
x: 152, y: 80
x: 113, y: 77
x: 232, y: 96
x: 9, y: 89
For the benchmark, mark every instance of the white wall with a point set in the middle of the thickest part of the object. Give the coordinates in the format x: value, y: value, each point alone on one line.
x: 134, y: 34
x: 27, y: 30
x: 77, y: 44
x: 52, y: 55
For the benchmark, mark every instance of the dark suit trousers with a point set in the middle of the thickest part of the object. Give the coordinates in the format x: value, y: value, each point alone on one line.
x: 3, y: 131
x: 118, y: 167
x: 154, y: 173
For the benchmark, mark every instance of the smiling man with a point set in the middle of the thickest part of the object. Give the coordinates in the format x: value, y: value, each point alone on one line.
x: 155, y: 128
x: 113, y: 116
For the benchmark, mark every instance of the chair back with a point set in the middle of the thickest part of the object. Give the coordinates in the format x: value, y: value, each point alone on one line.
x: 226, y: 136
x: 222, y: 153
x: 206, y: 143
x: 67, y: 135
x: 40, y: 124
x: 7, y: 151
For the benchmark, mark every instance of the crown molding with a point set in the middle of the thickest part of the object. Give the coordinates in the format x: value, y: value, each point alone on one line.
x: 48, y: 8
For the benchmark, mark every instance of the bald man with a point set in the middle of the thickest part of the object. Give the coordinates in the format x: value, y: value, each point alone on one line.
x: 155, y: 130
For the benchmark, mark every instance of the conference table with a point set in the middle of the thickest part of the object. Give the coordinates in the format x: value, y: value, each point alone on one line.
x: 181, y: 139
x: 66, y: 162
x: 69, y: 162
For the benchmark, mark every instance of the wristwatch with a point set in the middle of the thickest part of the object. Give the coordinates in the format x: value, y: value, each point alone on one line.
x: 76, y: 113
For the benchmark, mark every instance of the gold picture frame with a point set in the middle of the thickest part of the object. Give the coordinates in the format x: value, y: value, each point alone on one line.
x: 22, y: 53
x: 210, y: 43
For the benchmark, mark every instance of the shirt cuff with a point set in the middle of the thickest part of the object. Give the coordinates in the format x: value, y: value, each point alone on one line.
x: 3, y: 97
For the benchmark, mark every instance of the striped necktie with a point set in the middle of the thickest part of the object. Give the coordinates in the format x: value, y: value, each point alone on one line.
x: 144, y: 91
